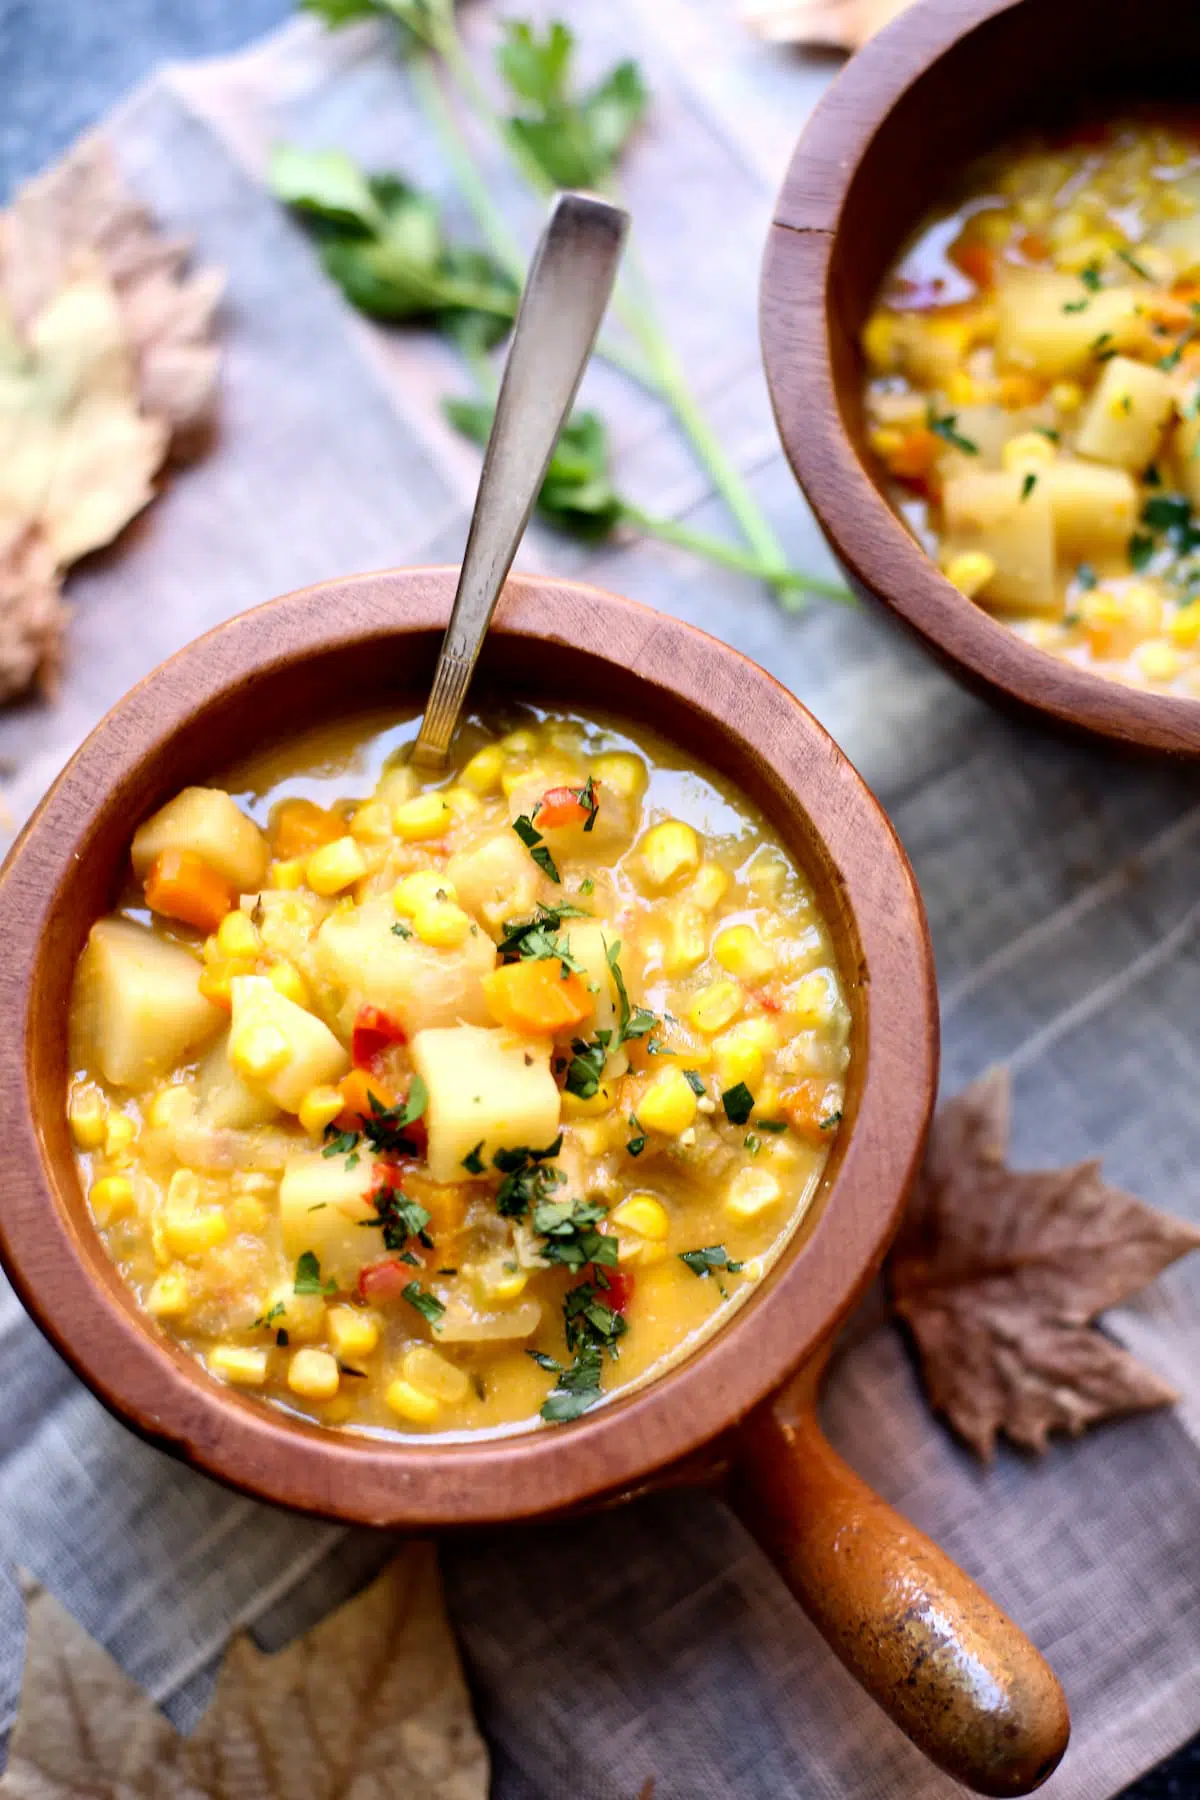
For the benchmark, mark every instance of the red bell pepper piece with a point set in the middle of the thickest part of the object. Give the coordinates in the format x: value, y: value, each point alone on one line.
x: 374, y: 1032
x: 385, y: 1280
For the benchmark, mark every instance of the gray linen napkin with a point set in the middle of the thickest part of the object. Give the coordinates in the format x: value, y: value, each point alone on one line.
x: 1062, y: 892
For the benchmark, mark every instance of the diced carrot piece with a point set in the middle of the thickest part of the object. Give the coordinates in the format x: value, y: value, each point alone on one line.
x: 976, y: 260
x: 561, y: 806
x: 813, y: 1109
x: 540, y: 996
x: 301, y: 826
x: 181, y: 885
x: 1034, y: 246
x: 916, y: 455
x: 357, y: 1089
x: 374, y: 1032
x: 445, y: 1202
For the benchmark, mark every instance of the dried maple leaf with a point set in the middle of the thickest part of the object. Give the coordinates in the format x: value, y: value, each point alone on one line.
x: 371, y: 1702
x: 998, y: 1273
x: 826, y: 24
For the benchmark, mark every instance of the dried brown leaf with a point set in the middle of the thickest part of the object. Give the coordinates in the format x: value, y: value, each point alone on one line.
x: 371, y: 1704
x: 998, y: 1273
x: 32, y: 617
x: 824, y: 24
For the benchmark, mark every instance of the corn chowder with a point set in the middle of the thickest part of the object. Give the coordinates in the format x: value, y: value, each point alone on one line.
x: 1034, y: 392
x: 465, y: 1098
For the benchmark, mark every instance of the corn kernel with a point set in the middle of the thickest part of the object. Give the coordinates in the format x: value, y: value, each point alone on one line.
x: 287, y: 980
x: 434, y: 1374
x: 1028, y: 450
x: 708, y: 886
x: 335, y: 866
x: 643, y: 1214
x: 668, y: 1105
x: 768, y: 1101
x: 462, y: 802
x: 88, y: 1117
x: 1158, y: 661
x: 739, y: 1058
x: 351, y: 1332
x: 740, y: 950
x: 687, y: 940
x: 441, y: 925
x: 244, y: 1367
x: 287, y: 874
x: 751, y: 1193
x: 669, y: 852
x: 319, y: 1108
x: 372, y: 822
x: 887, y: 441
x: 622, y: 773
x: 189, y: 1232
x: 424, y: 887
x: 1066, y: 396
x: 521, y: 742
x: 169, y: 1295
x: 1184, y: 628
x: 499, y: 1280
x: 169, y: 1107
x: 111, y: 1196
x: 411, y: 1403
x: 424, y: 816
x: 767, y: 875
x: 236, y: 935
x: 119, y: 1133
x: 812, y: 1000
x: 259, y: 1051
x: 482, y: 773
x: 575, y: 1107
x: 970, y: 572
x: 246, y: 1212
x: 879, y: 342
x: 715, y: 1006
x: 314, y: 1374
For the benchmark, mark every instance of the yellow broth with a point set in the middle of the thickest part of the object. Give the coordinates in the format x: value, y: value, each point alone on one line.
x: 1034, y: 394
x: 306, y: 1119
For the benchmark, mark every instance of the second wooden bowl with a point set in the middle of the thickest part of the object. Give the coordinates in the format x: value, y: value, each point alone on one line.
x: 945, y: 81
x: 953, y: 1671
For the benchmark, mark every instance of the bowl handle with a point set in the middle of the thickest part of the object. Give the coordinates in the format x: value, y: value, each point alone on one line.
x: 941, y: 1659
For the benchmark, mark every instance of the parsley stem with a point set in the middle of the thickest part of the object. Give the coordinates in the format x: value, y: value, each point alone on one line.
x: 789, y: 582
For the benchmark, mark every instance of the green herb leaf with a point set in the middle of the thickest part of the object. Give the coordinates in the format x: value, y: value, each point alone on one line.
x: 531, y: 837
x: 574, y: 139
x: 472, y: 1162
x: 1131, y: 261
x: 1075, y: 306
x: 1028, y: 484
x: 272, y: 1313
x: 830, y: 1122
x: 703, y: 1262
x: 307, y: 1279
x: 1090, y: 278
x: 587, y: 1065
x: 527, y: 1178
x: 738, y: 1103
x: 577, y: 1387
x: 1048, y: 431
x: 631, y: 1022
x: 428, y: 1305
x: 775, y: 1126
x: 695, y: 1081
x: 945, y: 428
x: 637, y: 1143
x: 415, y: 1103
x: 591, y: 805
x: 1141, y: 549
x: 401, y: 930
x: 577, y: 496
x: 535, y: 939
x: 400, y: 1218
x: 570, y: 1230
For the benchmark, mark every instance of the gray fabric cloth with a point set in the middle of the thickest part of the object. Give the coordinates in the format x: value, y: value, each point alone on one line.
x: 1062, y: 896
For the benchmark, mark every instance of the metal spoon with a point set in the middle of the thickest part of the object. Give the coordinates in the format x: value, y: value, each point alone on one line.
x: 566, y: 292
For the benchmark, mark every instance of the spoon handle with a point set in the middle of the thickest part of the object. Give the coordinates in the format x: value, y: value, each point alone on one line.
x: 566, y: 292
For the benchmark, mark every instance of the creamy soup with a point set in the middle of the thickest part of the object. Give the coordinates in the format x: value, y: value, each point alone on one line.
x: 1034, y: 392
x: 437, y: 1104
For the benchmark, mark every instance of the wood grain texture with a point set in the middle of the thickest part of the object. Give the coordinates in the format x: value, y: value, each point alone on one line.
x: 330, y: 651
x: 952, y: 1670
x: 945, y: 81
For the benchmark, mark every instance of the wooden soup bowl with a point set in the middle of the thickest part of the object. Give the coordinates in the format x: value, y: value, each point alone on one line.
x: 951, y: 1669
x: 947, y: 80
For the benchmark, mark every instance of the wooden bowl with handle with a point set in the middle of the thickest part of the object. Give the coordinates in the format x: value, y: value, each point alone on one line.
x: 952, y: 1670
x: 947, y: 80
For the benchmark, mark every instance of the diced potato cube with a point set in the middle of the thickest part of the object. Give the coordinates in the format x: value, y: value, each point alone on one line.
x: 418, y: 984
x: 435, y: 1374
x: 352, y: 1332
x: 486, y: 1088
x: 312, y: 1055
x: 497, y: 881
x: 313, y: 1374
x: 225, y: 1100
x: 324, y: 1207
x: 141, y: 1007
x: 1124, y: 420
x: 1094, y: 508
x: 244, y: 1367
x: 209, y: 822
x: 1051, y: 323
x: 1186, y: 446
x: 992, y: 512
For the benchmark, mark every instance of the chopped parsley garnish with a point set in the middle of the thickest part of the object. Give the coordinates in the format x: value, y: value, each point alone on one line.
x: 383, y: 1130
x: 400, y: 1218
x: 587, y: 799
x: 532, y: 839
x: 1028, y: 485
x: 775, y: 1126
x: 587, y: 1065
x: 341, y: 1143
x: 401, y: 930
x: 714, y: 1256
x: 632, y: 1022
x: 527, y: 1179
x: 587, y: 885
x: 1048, y: 431
x: 1167, y: 512
x: 428, y: 1305
x: 1086, y: 576
x: 1100, y: 347
x: 1141, y: 549
x: 945, y: 428
x: 1131, y: 262
x: 1076, y: 306
x: 830, y: 1121
x: 569, y: 1228
x: 1090, y: 278
x: 589, y: 1320
x: 472, y: 1162
x: 308, y: 1276
x: 272, y: 1313
x: 751, y: 1143
x: 738, y: 1103
x: 695, y: 1081
x: 577, y: 1387
x: 535, y: 939
x: 637, y: 1143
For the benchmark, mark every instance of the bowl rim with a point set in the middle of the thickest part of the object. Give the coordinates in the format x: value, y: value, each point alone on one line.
x: 58, y: 1264
x: 797, y: 297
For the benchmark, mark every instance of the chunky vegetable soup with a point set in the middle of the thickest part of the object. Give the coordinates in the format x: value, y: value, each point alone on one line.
x: 1034, y: 392
x: 439, y: 1103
